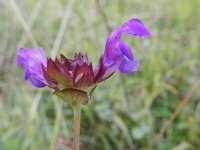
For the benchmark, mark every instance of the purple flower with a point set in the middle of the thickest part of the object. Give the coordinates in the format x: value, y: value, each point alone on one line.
x: 32, y: 60
x: 117, y: 55
x: 76, y: 78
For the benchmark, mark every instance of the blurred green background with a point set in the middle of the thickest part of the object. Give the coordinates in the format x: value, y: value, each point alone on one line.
x: 126, y: 111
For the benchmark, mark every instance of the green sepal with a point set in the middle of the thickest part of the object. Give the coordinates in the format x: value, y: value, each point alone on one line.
x: 92, y: 91
x: 73, y: 95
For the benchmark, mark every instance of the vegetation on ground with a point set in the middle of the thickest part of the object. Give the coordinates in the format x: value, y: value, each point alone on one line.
x: 127, y: 111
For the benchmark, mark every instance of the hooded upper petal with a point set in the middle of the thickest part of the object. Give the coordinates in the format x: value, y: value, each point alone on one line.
x: 117, y: 54
x: 32, y: 60
x: 136, y: 27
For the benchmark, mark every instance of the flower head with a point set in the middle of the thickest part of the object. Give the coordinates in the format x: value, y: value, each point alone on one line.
x: 73, y: 76
x: 75, y: 79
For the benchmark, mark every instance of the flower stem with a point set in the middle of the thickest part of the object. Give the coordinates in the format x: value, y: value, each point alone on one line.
x: 77, y: 121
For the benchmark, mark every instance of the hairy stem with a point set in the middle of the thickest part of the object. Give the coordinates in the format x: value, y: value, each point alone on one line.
x: 77, y: 121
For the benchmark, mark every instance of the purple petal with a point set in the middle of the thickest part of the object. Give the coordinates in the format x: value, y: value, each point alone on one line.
x: 136, y: 27
x: 36, y: 82
x: 32, y: 60
x: 127, y: 65
x: 125, y: 50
